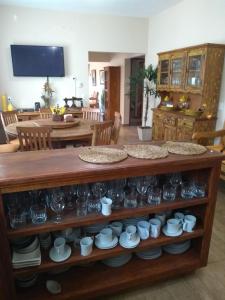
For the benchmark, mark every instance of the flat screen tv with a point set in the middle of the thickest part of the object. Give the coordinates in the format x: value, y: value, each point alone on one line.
x: 39, y: 61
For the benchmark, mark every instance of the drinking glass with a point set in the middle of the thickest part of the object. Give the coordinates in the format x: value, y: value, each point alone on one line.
x: 93, y: 203
x: 38, y: 214
x: 117, y: 196
x: 142, y: 184
x: 154, y: 195
x: 57, y: 204
x: 130, y: 197
x: 81, y: 206
x: 99, y: 189
x: 70, y: 197
x: 152, y: 180
x: 174, y: 178
x: 17, y: 217
x: 169, y: 192
x: 199, y: 189
x: 187, y: 190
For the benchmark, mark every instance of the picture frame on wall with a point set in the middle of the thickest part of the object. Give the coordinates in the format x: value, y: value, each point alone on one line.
x: 102, y: 76
x: 93, y: 77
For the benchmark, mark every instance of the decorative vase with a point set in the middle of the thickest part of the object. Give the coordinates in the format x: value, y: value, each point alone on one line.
x: 144, y: 133
x: 57, y: 118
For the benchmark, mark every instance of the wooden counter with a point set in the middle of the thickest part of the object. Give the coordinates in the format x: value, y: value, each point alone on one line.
x: 43, y: 169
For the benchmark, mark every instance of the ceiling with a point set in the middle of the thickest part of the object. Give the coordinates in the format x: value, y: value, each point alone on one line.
x: 134, y: 8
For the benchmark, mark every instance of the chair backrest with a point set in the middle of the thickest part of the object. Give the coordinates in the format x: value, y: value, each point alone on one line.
x: 92, y: 114
x: 9, y: 117
x: 116, y: 128
x: 102, y: 133
x: 46, y: 115
x: 45, y: 110
x: 207, y: 137
x: 34, y: 138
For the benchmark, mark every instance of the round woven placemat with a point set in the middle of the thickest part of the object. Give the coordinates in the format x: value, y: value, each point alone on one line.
x: 146, y: 151
x: 101, y: 155
x: 184, y: 148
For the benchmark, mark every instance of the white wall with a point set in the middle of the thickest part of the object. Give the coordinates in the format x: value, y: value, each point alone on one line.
x: 77, y: 33
x: 188, y: 23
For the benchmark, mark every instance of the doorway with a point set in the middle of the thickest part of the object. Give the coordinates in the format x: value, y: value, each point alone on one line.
x: 136, y: 97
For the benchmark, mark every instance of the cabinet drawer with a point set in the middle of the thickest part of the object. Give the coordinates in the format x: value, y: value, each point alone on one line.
x: 172, y: 121
x: 185, y: 122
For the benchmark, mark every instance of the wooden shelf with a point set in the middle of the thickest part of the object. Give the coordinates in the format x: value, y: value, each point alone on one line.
x: 98, y: 280
x: 98, y: 254
x: 70, y: 220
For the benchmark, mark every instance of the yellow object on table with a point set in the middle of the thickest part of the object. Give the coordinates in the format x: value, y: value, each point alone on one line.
x: 4, y: 103
x: 10, y: 106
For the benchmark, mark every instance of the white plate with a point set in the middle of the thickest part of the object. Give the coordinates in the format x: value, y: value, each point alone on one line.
x: 108, y: 246
x: 164, y: 230
x: 128, y: 244
x: 56, y: 258
x: 26, y: 257
x: 29, y: 248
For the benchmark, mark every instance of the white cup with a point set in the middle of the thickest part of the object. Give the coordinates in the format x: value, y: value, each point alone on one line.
x: 106, y: 206
x: 104, y: 236
x: 155, y: 226
x: 179, y: 216
x: 86, y: 245
x: 131, y: 233
x: 173, y: 225
x: 162, y: 217
x: 59, y: 245
x: 189, y: 223
x: 143, y: 229
x: 116, y: 227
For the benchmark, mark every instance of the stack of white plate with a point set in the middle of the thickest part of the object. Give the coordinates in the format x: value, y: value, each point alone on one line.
x: 177, y: 248
x: 117, y: 261
x: 22, y: 242
x: 27, y: 256
x: 95, y: 228
x: 134, y: 221
x: 150, y: 254
x: 26, y: 281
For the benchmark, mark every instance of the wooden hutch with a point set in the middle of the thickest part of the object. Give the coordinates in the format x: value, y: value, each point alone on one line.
x: 194, y: 72
x: 44, y: 169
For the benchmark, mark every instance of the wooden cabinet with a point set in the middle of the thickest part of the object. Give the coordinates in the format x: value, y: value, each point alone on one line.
x: 96, y: 280
x: 112, y: 91
x: 194, y: 72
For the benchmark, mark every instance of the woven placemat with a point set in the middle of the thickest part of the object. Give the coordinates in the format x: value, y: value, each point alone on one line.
x: 101, y: 155
x: 184, y: 148
x: 146, y: 151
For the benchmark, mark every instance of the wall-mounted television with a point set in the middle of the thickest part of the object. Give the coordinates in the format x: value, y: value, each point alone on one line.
x: 38, y: 61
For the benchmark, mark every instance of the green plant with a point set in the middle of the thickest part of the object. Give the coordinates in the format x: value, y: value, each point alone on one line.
x: 146, y: 77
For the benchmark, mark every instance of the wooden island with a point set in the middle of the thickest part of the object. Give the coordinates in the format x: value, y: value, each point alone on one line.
x: 46, y: 169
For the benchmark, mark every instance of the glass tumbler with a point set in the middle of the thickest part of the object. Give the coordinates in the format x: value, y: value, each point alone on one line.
x: 154, y: 195
x: 187, y: 190
x: 199, y: 189
x: 38, y: 214
x: 17, y: 218
x: 169, y: 192
x: 130, y: 200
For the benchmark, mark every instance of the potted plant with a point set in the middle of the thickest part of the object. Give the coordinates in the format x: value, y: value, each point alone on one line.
x: 147, y: 77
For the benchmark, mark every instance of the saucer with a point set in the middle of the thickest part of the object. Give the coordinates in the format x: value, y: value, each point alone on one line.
x: 56, y: 258
x: 106, y: 246
x: 128, y: 244
x: 164, y: 230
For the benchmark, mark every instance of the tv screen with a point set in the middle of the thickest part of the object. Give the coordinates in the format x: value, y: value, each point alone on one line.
x: 40, y: 61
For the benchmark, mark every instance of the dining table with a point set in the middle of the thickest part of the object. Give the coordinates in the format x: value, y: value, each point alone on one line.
x: 62, y: 132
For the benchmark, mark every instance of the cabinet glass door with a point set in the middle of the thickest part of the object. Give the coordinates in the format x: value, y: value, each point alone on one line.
x: 176, y: 72
x: 194, y: 77
x: 164, y: 73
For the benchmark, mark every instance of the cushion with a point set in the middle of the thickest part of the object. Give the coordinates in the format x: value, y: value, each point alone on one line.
x: 6, y: 148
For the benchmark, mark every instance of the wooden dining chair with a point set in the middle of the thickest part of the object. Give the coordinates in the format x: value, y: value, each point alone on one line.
x: 93, y: 114
x: 7, y: 118
x: 46, y: 115
x: 34, y: 138
x: 207, y: 138
x: 116, y: 128
x: 102, y: 133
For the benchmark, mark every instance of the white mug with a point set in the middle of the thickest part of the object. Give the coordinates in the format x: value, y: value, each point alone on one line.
x: 173, y: 225
x: 162, y: 217
x: 59, y: 245
x: 105, y: 236
x: 131, y: 232
x: 189, y: 223
x: 179, y: 216
x: 106, y: 206
x: 155, y: 226
x: 143, y: 229
x: 116, y: 227
x: 86, y: 245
